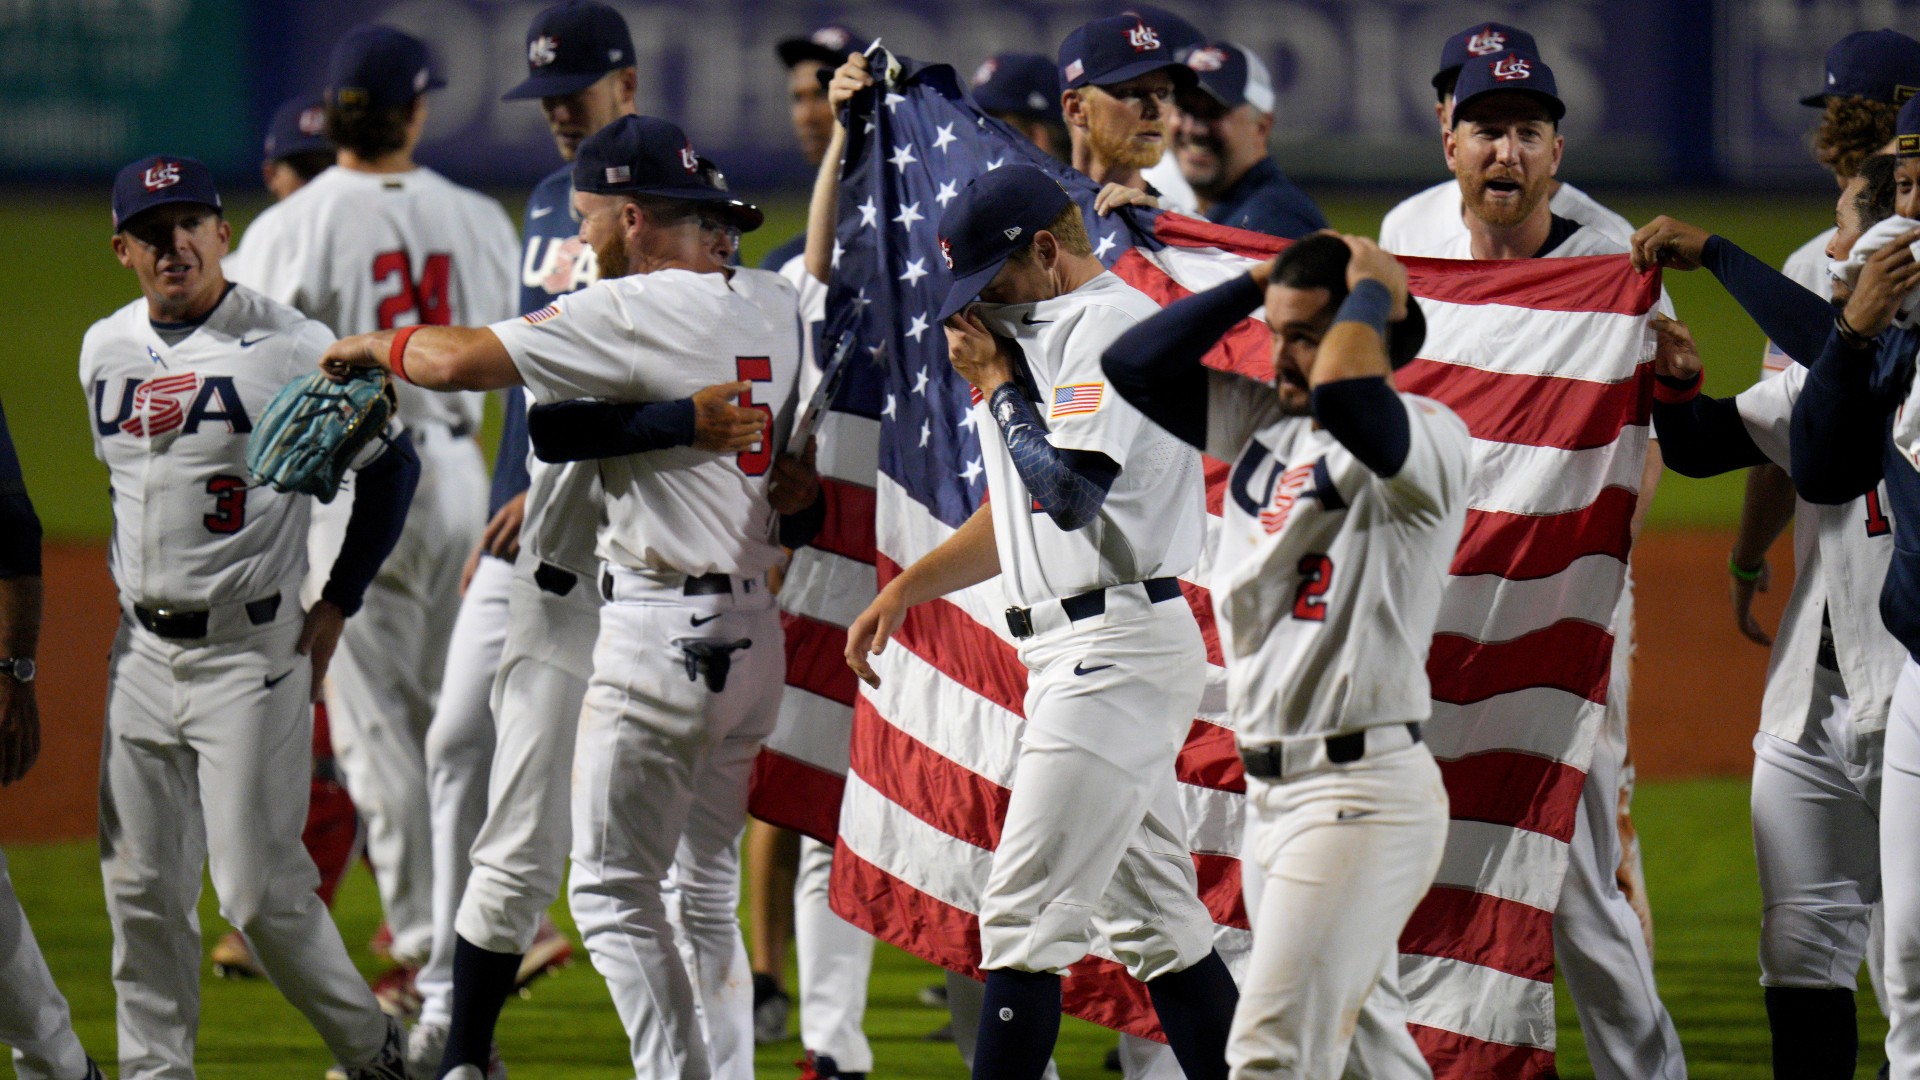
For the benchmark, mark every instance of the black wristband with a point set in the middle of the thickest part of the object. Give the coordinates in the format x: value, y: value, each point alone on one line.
x: 1370, y: 302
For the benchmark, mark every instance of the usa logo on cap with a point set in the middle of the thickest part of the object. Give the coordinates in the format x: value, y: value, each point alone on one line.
x: 1486, y: 41
x: 313, y: 121
x: 1143, y: 38
x: 830, y: 37
x: 946, y: 251
x: 985, y: 71
x: 542, y: 50
x: 162, y: 174
x: 688, y: 159
x: 619, y: 174
x: 1208, y: 59
x: 1075, y: 70
x: 1511, y: 69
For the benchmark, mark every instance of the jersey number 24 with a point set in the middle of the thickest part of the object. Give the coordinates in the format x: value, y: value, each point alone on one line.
x: 426, y: 297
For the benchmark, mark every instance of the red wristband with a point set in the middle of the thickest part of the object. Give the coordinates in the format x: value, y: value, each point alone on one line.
x: 1666, y: 393
x: 397, y: 352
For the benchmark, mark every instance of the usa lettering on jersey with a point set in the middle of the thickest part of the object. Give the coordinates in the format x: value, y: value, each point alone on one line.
x: 169, y: 403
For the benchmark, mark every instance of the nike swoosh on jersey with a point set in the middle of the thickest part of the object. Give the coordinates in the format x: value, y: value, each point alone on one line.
x: 1354, y: 815
x: 245, y: 344
x: 1029, y: 320
x: 275, y: 680
x: 698, y: 621
x: 539, y: 212
x: 1081, y: 668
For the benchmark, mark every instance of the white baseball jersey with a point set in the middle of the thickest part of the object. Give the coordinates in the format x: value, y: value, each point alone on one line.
x: 1176, y: 193
x: 366, y: 251
x: 660, y: 337
x: 1154, y: 518
x: 1328, y: 578
x: 1430, y: 221
x: 171, y: 424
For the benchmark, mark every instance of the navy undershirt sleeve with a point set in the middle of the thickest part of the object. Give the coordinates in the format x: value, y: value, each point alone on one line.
x: 382, y: 494
x: 1704, y: 436
x: 1156, y: 365
x: 798, y: 529
x: 510, y: 460
x: 1839, y: 429
x: 19, y: 525
x: 584, y: 430
x: 1069, y: 485
x: 1367, y: 418
x: 1793, y: 317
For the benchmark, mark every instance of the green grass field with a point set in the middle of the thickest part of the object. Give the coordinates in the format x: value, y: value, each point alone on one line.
x: 1699, y: 868
x: 65, y: 272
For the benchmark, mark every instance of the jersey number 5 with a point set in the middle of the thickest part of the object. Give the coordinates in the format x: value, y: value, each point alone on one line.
x: 755, y: 462
x: 1316, y: 577
x: 427, y: 297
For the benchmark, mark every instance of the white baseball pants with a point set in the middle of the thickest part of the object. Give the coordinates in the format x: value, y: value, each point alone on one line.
x: 459, y: 757
x: 33, y: 1015
x: 660, y: 777
x: 1343, y: 855
x: 206, y: 761
x: 1900, y: 874
x: 836, y: 963
x: 385, y: 677
x: 1068, y: 864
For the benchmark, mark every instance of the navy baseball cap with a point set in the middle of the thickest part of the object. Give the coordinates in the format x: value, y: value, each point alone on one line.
x: 1109, y: 51
x: 1181, y: 36
x: 995, y: 216
x: 299, y: 127
x: 158, y: 180
x: 828, y: 45
x: 1906, y: 130
x: 571, y: 46
x: 1504, y: 73
x: 645, y: 155
x: 379, y: 66
x: 1232, y: 76
x: 1879, y: 65
x: 1480, y: 39
x: 1024, y: 83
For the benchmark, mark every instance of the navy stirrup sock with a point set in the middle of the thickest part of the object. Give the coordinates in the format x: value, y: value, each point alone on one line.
x: 481, y: 982
x: 1019, y: 1023
x: 1816, y: 1035
x: 1196, y: 1011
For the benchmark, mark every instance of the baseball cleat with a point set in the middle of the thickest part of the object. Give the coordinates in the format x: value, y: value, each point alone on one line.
x: 233, y: 958
x: 465, y: 1072
x: 427, y: 1044
x: 813, y: 1067
x: 549, y: 952
x: 772, y: 1007
x: 93, y: 1070
x: 396, y: 993
x: 391, y: 1062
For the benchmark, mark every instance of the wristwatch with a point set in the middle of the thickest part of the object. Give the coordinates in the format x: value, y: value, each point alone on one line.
x: 21, y: 669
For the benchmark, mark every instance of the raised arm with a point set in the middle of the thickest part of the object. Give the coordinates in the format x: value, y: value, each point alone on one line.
x: 1353, y: 396
x: 1156, y: 365
x: 430, y: 357
x: 1699, y: 435
x: 822, y: 209
x: 1793, y: 317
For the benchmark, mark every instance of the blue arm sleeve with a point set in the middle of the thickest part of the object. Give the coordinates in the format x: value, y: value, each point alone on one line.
x: 382, y: 494
x: 797, y: 530
x: 1367, y: 418
x: 19, y: 525
x: 510, y: 460
x: 583, y: 430
x: 1070, y: 485
x: 1792, y: 317
x: 1839, y: 431
x: 1704, y: 437
x: 1156, y: 365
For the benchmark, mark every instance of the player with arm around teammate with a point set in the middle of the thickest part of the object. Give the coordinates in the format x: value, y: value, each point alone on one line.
x: 1345, y: 503
x: 214, y: 666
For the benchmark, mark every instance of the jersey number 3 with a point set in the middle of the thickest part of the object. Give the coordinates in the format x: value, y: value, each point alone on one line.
x: 755, y: 462
x: 427, y: 297
x: 229, y: 505
x: 1316, y: 577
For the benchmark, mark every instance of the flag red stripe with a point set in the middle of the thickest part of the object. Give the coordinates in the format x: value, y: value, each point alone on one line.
x: 944, y: 635
x: 1506, y: 787
x: 1586, y: 283
x: 1183, y: 231
x: 1533, y: 410
x: 1220, y: 888
x: 848, y: 528
x: 1570, y: 655
x: 1523, y: 547
x: 1453, y: 1054
x: 1200, y: 600
x: 1210, y: 759
x: 930, y: 786
x: 817, y: 658
x: 1217, y: 473
x: 794, y: 795
x: 1247, y: 349
x: 1475, y: 928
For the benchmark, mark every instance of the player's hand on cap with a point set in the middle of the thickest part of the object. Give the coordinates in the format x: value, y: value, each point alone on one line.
x: 1886, y: 279
x: 796, y: 483
x: 851, y: 78
x: 869, y: 633
x: 358, y: 351
x: 1668, y: 242
x: 1370, y: 260
x: 979, y: 356
x: 1114, y: 196
x: 19, y: 729
x: 319, y: 636
x: 1674, y: 356
x: 720, y: 425
x: 500, y: 539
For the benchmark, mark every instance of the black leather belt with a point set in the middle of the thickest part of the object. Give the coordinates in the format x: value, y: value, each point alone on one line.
x: 552, y: 579
x: 1088, y: 604
x: 1265, y: 762
x: 460, y: 430
x: 193, y: 624
x: 704, y: 585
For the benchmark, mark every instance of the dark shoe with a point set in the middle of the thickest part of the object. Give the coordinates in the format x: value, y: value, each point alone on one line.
x: 824, y: 1068
x: 772, y: 1008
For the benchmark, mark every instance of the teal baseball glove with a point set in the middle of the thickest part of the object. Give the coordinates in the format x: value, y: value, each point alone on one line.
x: 314, y: 429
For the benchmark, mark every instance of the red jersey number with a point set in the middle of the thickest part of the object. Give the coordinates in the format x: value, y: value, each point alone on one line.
x: 1877, y: 523
x: 426, y: 298
x: 1316, y: 577
x: 229, y: 505
x: 757, y: 461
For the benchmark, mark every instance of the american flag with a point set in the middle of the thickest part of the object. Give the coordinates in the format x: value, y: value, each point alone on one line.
x: 1076, y: 399
x: 1549, y: 364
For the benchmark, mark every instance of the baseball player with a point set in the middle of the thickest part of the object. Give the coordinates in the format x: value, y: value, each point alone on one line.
x: 297, y: 149
x: 1119, y: 80
x: 1504, y: 152
x: 1022, y: 89
x: 34, y: 1019
x: 214, y: 665
x: 376, y: 242
x: 667, y: 735
x: 1347, y: 502
x: 1092, y: 516
x: 1180, y: 38
x: 1220, y: 143
x: 1817, y: 757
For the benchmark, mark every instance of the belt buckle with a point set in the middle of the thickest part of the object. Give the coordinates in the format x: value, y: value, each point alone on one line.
x: 1020, y: 621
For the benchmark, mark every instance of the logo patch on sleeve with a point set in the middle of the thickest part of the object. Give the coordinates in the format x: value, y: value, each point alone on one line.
x: 1077, y: 398
x: 551, y: 311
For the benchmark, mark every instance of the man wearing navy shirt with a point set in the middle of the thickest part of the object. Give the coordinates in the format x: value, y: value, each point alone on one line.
x: 1220, y: 143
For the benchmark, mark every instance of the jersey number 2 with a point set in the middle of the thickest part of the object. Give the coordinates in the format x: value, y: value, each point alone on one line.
x: 427, y: 297
x: 1316, y: 577
x: 755, y: 462
x: 229, y: 505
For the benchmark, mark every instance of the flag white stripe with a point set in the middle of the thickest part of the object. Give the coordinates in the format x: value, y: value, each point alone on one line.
x: 1500, y: 860
x: 1591, y: 346
x: 1487, y: 607
x: 1480, y: 1002
x: 831, y: 588
x: 1511, y: 722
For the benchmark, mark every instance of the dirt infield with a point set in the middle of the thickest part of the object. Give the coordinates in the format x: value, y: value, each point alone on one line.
x: 1697, y: 683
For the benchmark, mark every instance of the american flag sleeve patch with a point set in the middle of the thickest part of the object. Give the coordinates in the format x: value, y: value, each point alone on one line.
x: 545, y: 313
x: 1077, y: 398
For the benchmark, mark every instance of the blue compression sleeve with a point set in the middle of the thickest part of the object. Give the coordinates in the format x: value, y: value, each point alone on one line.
x: 382, y: 494
x: 1839, y: 431
x: 1367, y: 418
x: 1792, y: 317
x: 583, y: 430
x: 1156, y: 365
x: 1069, y: 485
x: 19, y: 525
x: 1703, y: 436
x: 510, y: 459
